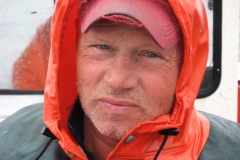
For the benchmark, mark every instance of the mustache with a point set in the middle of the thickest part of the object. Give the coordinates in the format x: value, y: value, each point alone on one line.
x: 128, y: 94
x: 124, y: 93
x: 138, y: 97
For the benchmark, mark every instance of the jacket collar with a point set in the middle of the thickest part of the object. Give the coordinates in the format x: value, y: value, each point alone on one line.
x: 75, y: 126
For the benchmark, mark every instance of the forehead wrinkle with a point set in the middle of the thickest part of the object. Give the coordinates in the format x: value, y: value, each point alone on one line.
x: 105, y: 30
x: 102, y: 29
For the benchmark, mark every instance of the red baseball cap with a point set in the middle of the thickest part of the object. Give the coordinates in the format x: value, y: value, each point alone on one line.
x: 156, y: 16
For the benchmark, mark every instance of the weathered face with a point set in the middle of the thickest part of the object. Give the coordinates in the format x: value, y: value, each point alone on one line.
x: 124, y: 77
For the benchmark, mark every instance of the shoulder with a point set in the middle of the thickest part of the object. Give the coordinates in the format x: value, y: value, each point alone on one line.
x: 21, y: 138
x: 25, y: 117
x: 223, y: 141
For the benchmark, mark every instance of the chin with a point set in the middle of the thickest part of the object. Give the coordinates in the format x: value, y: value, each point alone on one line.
x: 114, y: 131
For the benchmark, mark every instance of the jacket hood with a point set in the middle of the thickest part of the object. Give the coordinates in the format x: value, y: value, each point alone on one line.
x: 61, y: 88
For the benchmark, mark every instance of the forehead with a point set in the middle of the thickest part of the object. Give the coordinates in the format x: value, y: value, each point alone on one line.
x: 109, y: 31
x: 107, y: 27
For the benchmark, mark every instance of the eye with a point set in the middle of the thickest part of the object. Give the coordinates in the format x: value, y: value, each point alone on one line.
x: 151, y: 54
x: 102, y: 46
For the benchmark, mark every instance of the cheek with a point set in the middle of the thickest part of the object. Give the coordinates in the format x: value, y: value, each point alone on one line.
x: 160, y: 88
x: 89, y: 74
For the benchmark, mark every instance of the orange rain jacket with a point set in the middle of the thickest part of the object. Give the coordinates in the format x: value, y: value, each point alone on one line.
x: 61, y: 90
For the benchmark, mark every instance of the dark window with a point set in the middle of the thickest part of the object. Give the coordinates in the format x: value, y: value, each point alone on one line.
x: 212, y: 75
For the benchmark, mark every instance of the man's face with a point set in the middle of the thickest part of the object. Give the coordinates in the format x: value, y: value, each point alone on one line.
x: 124, y: 77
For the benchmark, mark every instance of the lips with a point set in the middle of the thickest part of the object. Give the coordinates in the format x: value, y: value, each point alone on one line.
x: 117, y: 104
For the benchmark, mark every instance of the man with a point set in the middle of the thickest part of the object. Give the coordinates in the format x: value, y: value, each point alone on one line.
x: 138, y: 66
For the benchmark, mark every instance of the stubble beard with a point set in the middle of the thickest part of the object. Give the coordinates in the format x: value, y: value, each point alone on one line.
x: 114, y: 129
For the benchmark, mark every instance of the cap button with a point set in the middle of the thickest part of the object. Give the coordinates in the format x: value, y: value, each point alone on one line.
x: 129, y: 139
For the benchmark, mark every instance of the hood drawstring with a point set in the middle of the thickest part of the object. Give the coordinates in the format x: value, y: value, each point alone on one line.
x: 167, y: 132
x: 47, y: 133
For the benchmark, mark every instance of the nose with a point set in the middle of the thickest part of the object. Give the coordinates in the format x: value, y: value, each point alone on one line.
x: 122, y: 73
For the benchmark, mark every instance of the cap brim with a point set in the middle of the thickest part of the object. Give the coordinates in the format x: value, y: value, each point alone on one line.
x: 156, y: 18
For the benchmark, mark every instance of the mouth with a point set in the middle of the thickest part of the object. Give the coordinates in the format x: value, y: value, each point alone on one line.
x: 114, y: 104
